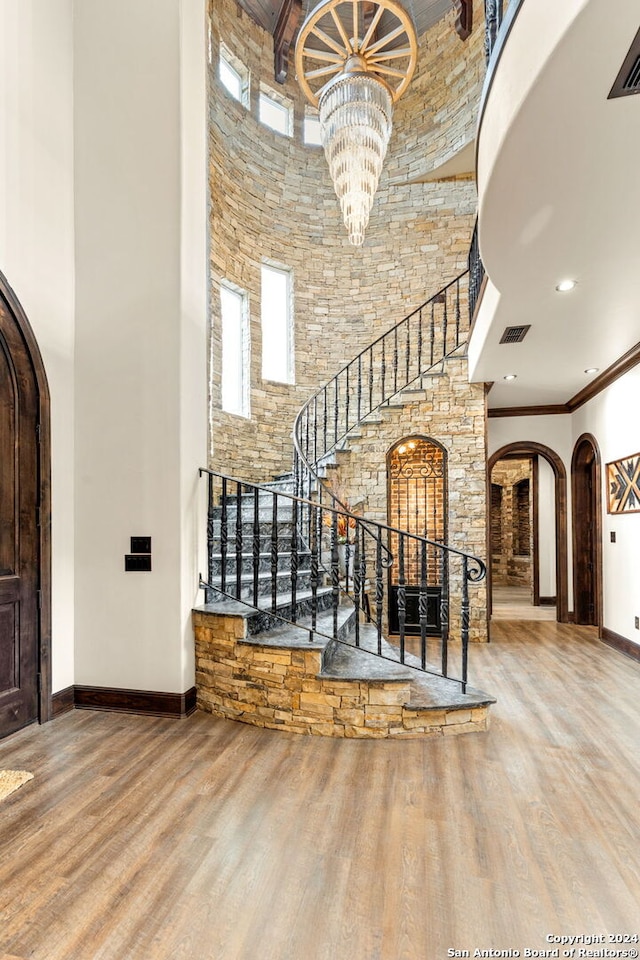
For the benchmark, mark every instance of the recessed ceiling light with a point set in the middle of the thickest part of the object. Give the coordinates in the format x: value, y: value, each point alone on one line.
x: 592, y: 369
x: 510, y: 376
x: 565, y: 285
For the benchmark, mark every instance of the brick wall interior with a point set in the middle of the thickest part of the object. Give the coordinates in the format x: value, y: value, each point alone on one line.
x: 416, y: 473
x: 511, y: 526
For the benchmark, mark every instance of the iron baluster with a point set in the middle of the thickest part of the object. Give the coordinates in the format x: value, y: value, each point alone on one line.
x: 433, y: 331
x: 274, y: 552
x: 359, y: 401
x: 420, y: 341
x: 407, y: 353
x: 363, y: 576
x: 357, y: 584
x: 346, y: 399
x: 224, y: 538
x: 209, y: 593
x: 457, y: 313
x: 256, y: 544
x: 315, y: 539
x: 379, y: 588
x: 444, y: 325
x: 423, y: 604
x: 294, y: 558
x: 395, y: 359
x: 325, y: 421
x: 306, y: 442
x: 402, y: 596
x: 464, y: 617
x: 383, y: 373
x: 238, y: 540
x: 335, y: 413
x: 370, y: 378
x: 335, y: 572
x: 315, y: 428
x: 444, y: 611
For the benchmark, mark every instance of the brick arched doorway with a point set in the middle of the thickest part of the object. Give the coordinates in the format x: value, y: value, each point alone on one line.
x: 417, y: 503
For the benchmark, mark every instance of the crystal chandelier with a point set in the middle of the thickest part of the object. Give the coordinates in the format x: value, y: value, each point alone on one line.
x: 367, y: 72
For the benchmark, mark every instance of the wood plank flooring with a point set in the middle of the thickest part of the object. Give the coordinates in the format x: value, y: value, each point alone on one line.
x: 201, y: 839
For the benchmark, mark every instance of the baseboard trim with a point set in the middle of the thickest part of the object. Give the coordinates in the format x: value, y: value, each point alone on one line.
x: 145, y: 702
x: 62, y: 702
x: 621, y: 644
x: 548, y: 601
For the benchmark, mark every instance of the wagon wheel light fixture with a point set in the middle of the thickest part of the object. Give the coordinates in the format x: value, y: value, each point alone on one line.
x: 354, y: 60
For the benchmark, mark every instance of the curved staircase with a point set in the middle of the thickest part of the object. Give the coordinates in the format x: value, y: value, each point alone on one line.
x: 293, y: 633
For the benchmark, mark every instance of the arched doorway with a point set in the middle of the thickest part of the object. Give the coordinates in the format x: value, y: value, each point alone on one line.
x: 25, y: 559
x: 417, y: 503
x: 532, y: 449
x: 587, y: 531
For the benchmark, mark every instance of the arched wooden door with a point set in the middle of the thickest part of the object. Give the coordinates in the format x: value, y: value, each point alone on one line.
x: 587, y: 531
x: 24, y: 692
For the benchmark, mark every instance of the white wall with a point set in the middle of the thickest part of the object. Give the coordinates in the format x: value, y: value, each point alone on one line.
x: 612, y: 419
x: 140, y: 158
x: 36, y: 247
x: 546, y: 529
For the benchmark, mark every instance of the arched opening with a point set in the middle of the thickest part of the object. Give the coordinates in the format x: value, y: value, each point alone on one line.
x: 417, y: 503
x: 587, y: 531
x: 25, y: 549
x: 530, y: 450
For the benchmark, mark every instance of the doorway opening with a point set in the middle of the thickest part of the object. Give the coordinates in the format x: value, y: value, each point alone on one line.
x: 527, y: 530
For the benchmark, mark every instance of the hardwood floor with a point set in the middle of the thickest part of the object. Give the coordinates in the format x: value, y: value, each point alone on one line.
x: 515, y: 603
x: 201, y: 839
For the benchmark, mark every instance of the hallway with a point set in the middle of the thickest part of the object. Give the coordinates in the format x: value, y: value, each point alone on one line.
x: 151, y: 839
x: 514, y: 603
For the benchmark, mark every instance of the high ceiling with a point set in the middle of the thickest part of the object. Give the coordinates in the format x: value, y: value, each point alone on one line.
x: 284, y: 17
x: 559, y: 198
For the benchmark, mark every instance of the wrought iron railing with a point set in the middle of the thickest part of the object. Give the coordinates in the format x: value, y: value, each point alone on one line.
x: 422, y: 341
x: 280, y: 554
x: 476, y: 272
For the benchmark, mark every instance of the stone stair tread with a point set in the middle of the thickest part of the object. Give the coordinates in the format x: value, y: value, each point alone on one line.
x: 232, y: 608
x: 353, y: 663
x: 429, y: 692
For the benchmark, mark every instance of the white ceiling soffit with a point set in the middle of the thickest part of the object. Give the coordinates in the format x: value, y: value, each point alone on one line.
x: 560, y: 198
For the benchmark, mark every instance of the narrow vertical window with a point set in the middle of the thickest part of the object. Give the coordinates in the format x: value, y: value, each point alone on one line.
x: 234, y: 76
x: 235, y: 351
x: 277, y: 335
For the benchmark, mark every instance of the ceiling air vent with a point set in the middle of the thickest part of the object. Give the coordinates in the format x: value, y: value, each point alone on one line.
x: 628, y: 80
x: 514, y: 334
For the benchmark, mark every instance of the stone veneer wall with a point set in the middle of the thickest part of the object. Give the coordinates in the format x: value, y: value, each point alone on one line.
x: 272, y: 199
x: 454, y: 414
x: 509, y: 568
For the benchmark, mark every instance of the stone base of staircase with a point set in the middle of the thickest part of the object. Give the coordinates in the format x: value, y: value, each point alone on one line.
x: 280, y: 680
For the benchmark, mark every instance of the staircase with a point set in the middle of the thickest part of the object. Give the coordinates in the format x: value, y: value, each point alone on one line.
x: 293, y: 633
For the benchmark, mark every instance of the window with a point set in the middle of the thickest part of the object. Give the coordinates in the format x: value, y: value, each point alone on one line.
x: 311, y: 130
x: 235, y: 351
x: 277, y: 337
x: 275, y: 112
x: 234, y: 76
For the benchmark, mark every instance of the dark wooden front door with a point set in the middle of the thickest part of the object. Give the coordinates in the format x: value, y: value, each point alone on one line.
x: 19, y: 541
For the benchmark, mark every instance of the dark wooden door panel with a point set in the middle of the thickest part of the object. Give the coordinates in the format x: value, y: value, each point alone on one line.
x: 19, y: 545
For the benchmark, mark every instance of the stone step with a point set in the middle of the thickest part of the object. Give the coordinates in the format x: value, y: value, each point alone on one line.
x: 265, y: 580
x: 261, y: 618
x: 264, y: 561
